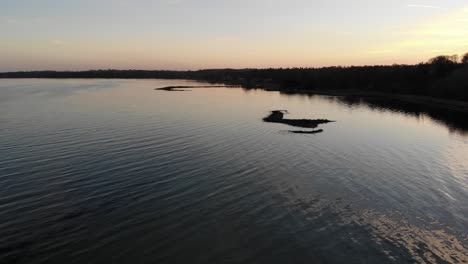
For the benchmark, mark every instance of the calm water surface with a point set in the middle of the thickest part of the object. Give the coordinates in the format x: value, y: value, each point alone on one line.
x: 102, y: 171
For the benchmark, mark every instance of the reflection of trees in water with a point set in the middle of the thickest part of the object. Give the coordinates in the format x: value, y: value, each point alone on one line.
x: 455, y: 121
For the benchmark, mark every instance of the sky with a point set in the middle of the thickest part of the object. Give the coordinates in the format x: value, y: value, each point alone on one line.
x: 200, y: 34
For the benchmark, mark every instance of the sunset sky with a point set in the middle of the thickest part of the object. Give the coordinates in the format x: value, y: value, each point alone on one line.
x: 194, y: 34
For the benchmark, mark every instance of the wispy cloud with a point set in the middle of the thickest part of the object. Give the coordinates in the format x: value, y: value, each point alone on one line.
x: 8, y: 20
x: 384, y: 51
x: 58, y: 42
x: 424, y: 6
x: 445, y: 33
x: 174, y: 2
x: 22, y: 21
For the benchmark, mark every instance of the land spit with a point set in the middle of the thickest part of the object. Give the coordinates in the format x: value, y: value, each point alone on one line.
x: 182, y: 88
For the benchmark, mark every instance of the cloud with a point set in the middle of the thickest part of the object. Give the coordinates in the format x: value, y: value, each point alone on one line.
x: 424, y: 6
x: 8, y: 20
x: 25, y: 22
x: 445, y: 33
x: 384, y: 51
x: 58, y: 42
x: 174, y: 2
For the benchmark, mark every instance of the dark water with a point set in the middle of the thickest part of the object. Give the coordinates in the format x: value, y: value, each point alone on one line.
x: 111, y: 171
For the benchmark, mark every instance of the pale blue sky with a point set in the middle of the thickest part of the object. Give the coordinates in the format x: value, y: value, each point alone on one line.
x: 191, y: 34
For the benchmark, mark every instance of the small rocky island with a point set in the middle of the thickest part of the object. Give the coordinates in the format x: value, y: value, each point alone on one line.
x: 277, y: 116
x: 183, y: 88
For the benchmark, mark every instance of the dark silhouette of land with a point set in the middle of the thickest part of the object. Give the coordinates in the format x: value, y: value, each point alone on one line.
x: 437, y: 88
x: 277, y: 116
x: 182, y: 88
x: 441, y: 77
x: 174, y: 89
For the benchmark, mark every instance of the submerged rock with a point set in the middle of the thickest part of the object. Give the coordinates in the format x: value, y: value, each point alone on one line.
x: 306, y: 132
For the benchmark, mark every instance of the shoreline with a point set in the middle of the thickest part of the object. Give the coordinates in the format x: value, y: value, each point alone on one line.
x: 420, y: 100
x: 417, y: 100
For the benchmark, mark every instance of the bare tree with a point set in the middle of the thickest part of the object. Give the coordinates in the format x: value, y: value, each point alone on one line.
x: 464, y: 59
x: 444, y: 59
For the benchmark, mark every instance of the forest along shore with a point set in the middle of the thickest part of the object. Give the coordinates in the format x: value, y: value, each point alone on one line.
x: 440, y: 82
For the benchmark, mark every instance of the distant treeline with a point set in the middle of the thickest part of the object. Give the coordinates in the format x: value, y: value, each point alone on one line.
x: 442, y: 76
